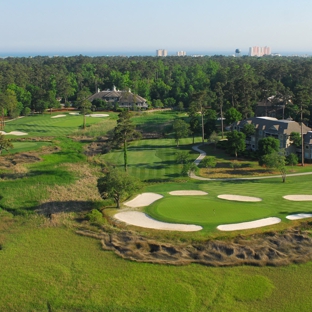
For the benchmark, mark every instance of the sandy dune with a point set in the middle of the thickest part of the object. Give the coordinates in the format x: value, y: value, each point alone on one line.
x: 299, y: 216
x: 142, y: 220
x: 13, y: 133
x: 239, y: 198
x: 188, y: 193
x: 143, y: 200
x: 58, y: 116
x: 249, y: 225
x: 97, y: 115
x: 298, y: 197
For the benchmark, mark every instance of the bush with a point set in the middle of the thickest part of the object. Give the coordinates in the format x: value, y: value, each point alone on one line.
x: 95, y: 216
x: 222, y: 144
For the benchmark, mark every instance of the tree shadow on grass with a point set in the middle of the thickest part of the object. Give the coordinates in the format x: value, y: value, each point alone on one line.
x: 49, y: 208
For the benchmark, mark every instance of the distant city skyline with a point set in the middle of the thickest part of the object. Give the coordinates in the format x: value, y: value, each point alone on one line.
x: 141, y: 26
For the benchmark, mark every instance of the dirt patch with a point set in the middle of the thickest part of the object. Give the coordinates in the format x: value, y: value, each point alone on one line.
x: 274, y: 249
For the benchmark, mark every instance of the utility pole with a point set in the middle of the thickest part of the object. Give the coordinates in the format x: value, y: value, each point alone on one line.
x: 302, y: 147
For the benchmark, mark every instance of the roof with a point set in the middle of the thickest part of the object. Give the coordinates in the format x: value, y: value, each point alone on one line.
x: 274, y: 125
x: 122, y: 96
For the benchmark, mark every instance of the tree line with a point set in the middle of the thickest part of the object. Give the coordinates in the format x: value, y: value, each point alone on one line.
x: 38, y: 83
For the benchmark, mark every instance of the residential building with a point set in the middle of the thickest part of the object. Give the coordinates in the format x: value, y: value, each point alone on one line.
x: 161, y: 52
x: 181, y: 53
x: 259, y: 51
x: 268, y: 126
x: 122, y: 99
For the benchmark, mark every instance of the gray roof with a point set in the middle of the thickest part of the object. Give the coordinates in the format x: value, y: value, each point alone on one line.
x: 273, y: 125
x: 122, y: 96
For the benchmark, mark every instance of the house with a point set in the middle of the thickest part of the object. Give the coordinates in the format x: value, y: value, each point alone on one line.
x: 269, y: 126
x: 122, y: 99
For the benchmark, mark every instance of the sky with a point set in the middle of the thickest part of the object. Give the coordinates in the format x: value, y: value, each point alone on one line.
x: 142, y: 26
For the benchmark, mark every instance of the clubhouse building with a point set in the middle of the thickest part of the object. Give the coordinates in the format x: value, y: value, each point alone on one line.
x: 122, y: 99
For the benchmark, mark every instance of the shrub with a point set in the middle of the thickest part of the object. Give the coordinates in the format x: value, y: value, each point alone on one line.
x: 95, y: 216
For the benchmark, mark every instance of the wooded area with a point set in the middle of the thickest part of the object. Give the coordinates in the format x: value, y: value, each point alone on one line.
x: 34, y: 84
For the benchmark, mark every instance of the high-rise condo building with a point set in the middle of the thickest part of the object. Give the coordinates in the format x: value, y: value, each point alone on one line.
x: 259, y: 51
x: 161, y: 52
x: 181, y: 53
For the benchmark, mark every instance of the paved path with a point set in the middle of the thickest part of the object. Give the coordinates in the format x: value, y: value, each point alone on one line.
x: 203, y: 154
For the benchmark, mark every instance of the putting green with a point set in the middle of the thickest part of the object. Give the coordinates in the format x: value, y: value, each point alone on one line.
x: 206, y: 211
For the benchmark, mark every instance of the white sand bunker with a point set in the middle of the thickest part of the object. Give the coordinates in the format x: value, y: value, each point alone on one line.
x: 299, y: 216
x: 142, y: 220
x: 239, y: 198
x: 298, y: 197
x: 188, y: 193
x: 13, y: 133
x: 143, y: 200
x: 249, y: 225
x: 74, y: 114
x: 97, y: 115
x: 58, y: 116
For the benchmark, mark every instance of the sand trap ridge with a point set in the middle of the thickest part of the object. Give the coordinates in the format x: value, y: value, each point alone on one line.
x: 298, y: 197
x: 143, y: 200
x: 239, y: 198
x: 249, y: 225
x: 13, y: 133
x: 299, y: 216
x: 58, y: 116
x: 142, y: 220
x: 97, y: 115
x: 188, y: 193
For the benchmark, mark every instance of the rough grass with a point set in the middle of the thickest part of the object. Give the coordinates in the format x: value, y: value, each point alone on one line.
x: 53, y: 268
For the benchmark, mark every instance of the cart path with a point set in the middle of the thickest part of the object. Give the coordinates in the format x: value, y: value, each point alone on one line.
x: 202, y: 155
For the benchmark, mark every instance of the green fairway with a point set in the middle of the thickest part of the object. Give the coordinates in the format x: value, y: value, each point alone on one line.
x: 26, y: 146
x: 44, y: 125
x: 152, y: 160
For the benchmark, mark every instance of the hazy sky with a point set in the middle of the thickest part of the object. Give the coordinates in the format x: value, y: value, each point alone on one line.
x: 82, y: 26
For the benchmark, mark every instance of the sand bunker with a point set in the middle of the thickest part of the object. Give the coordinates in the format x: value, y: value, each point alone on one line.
x: 299, y: 216
x: 142, y: 220
x: 239, y: 198
x: 74, y: 114
x: 97, y: 115
x: 188, y: 193
x: 58, y: 116
x: 143, y: 200
x: 249, y: 225
x: 13, y: 133
x: 298, y: 197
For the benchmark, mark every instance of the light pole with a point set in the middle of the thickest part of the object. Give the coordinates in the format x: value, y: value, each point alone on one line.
x: 302, y: 147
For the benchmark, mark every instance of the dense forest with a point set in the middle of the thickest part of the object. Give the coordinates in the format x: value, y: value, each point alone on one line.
x: 35, y: 84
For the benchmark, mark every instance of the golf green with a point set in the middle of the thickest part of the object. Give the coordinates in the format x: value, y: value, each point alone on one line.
x: 206, y: 210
